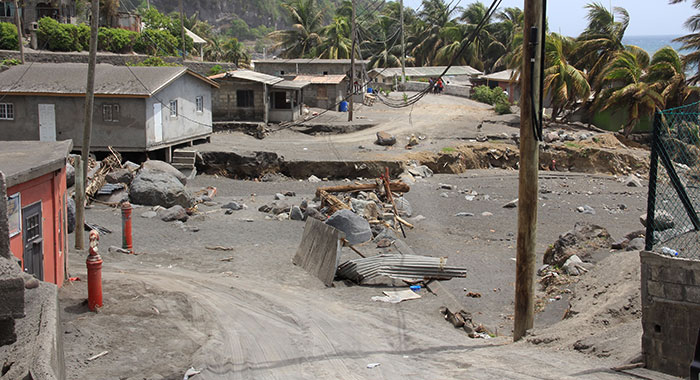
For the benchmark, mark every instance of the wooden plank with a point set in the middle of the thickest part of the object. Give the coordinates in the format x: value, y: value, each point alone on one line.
x: 319, y: 250
x: 397, y: 187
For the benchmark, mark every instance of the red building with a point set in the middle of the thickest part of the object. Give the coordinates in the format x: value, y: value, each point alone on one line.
x: 36, y: 191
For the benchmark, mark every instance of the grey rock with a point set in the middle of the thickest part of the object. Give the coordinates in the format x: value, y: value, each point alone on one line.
x: 511, y: 204
x: 444, y: 195
x: 464, y: 214
x: 403, y: 207
x: 620, y: 244
x: 290, y: 194
x: 174, y: 213
x: 407, y: 177
x: 304, y: 205
x: 149, y: 214
x: 574, y: 266
x: 314, y: 179
x: 155, y: 188
x: 551, y: 137
x: 234, y: 206
x: 366, y: 209
x: 385, y: 233
x: 265, y: 208
x: 116, y: 197
x: 421, y: 171
x: 131, y: 166
x: 486, y: 213
x: 70, y: 215
x: 70, y: 175
x: 162, y: 166
x: 314, y: 213
x: 636, y: 245
x: 662, y: 220
x: 446, y: 186
x: 279, y: 208
x: 480, y: 137
x: 586, y: 209
x: 296, y: 213
x: 280, y: 197
x: 355, y: 227
x: 120, y: 176
x: 385, y: 139
x: 469, y: 197
x: 374, y: 198
x: 402, y: 247
x: 633, y: 181
x: 228, y: 211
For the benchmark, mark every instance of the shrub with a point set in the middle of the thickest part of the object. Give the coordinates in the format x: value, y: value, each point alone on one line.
x: 156, y: 42
x: 490, y: 96
x: 8, y: 36
x: 153, y: 61
x: 116, y: 40
x: 502, y: 108
x: 10, y: 62
x: 63, y: 37
x: 216, y: 69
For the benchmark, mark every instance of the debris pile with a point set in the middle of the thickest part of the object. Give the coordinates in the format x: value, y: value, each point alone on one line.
x: 409, y: 268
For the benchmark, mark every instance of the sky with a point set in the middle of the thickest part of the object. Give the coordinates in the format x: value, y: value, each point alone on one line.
x: 647, y: 17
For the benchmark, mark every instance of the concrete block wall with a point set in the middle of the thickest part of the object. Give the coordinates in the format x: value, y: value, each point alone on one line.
x: 450, y: 89
x: 670, y: 312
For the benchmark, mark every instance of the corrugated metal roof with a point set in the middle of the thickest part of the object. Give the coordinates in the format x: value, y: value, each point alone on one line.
x: 502, y: 76
x: 22, y: 161
x: 197, y: 39
x: 310, y: 60
x: 426, y: 71
x: 321, y: 79
x: 291, y: 85
x: 71, y: 79
x: 249, y: 75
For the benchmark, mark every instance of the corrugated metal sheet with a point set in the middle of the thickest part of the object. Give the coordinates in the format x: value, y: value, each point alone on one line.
x: 254, y: 76
x: 502, y: 76
x: 310, y: 60
x: 427, y: 71
x: 290, y: 85
x: 400, y: 267
x: 321, y: 79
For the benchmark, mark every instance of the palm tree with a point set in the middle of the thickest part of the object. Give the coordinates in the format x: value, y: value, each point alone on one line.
x: 472, y: 16
x: 508, y: 38
x: 667, y: 73
x: 235, y: 51
x: 214, y: 50
x: 627, y: 88
x: 692, y: 42
x: 337, y: 43
x: 564, y: 83
x: 305, y: 34
x: 455, y: 37
x: 427, y: 35
x: 384, y: 49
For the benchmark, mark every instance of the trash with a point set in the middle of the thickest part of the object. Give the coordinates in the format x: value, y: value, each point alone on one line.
x: 396, y: 296
x: 227, y: 259
x: 486, y: 213
x: 113, y: 249
x: 101, y: 354
x: 101, y: 230
x: 574, y: 266
x: 191, y: 372
x: 220, y: 248
x: 373, y: 365
x: 668, y: 251
x: 473, y: 295
x: 400, y: 267
x: 319, y: 250
x: 412, y: 141
x: 415, y: 288
x: 155, y: 310
x: 511, y: 204
x: 73, y: 279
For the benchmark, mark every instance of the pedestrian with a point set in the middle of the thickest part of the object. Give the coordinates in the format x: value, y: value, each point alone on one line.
x: 441, y: 86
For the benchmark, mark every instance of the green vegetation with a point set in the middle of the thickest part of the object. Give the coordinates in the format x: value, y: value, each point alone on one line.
x: 448, y: 149
x: 116, y: 40
x: 490, y: 96
x: 8, y: 36
x: 153, y: 61
x: 216, y: 69
x: 63, y: 37
x: 502, y: 108
x: 10, y: 62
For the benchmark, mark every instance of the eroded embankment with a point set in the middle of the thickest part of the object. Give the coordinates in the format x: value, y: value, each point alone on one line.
x: 603, y: 154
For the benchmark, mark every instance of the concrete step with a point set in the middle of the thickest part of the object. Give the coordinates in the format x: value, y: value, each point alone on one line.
x: 184, y: 153
x: 183, y: 160
x: 178, y: 165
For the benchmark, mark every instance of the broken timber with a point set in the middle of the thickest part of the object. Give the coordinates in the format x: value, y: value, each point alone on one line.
x: 319, y: 251
x: 398, y: 187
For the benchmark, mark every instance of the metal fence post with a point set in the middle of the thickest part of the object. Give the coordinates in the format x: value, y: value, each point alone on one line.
x: 653, y: 168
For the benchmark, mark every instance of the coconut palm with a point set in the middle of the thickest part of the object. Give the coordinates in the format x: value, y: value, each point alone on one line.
x: 384, y: 48
x: 337, y: 43
x: 667, y: 73
x: 472, y: 16
x: 627, y: 88
x: 508, y: 39
x: 214, y: 50
x: 427, y: 35
x: 236, y: 52
x: 305, y: 33
x: 455, y: 37
x: 563, y: 83
x: 692, y: 42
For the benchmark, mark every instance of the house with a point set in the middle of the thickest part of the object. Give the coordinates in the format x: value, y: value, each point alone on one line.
x: 290, y: 68
x: 508, y: 80
x: 245, y: 95
x: 463, y: 74
x: 33, y: 10
x: 324, y: 91
x: 36, y: 198
x: 137, y: 109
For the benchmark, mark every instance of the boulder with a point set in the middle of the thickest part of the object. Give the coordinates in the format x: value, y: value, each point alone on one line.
x: 296, y: 213
x: 311, y: 212
x: 581, y: 241
x: 420, y: 171
x: 120, y: 176
x: 156, y: 188
x: 574, y: 266
x: 636, y: 244
x: 235, y: 206
x: 355, y: 227
x: 367, y: 209
x: 403, y: 207
x: 174, y: 213
x: 162, y: 166
x: 70, y: 215
x: 70, y: 175
x: 633, y: 181
x: 385, y: 139
x: 551, y: 137
x: 662, y: 220
x: 511, y: 204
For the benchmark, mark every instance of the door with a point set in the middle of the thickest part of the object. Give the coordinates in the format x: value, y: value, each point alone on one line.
x: 158, y: 122
x: 33, y: 240
x: 47, y: 122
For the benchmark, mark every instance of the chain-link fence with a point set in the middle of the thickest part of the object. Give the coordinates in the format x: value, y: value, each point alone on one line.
x: 673, y: 226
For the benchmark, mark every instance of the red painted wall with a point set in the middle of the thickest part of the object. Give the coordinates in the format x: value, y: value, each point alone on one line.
x: 50, y: 189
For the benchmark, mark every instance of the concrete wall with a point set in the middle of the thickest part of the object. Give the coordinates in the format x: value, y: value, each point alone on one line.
x: 670, y: 312
x: 225, y: 101
x: 450, y: 89
x: 334, y: 95
x: 126, y: 134
x: 189, y: 123
x: 203, y: 68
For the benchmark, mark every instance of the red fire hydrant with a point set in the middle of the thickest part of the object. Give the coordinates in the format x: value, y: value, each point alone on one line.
x: 126, y: 227
x: 94, y: 273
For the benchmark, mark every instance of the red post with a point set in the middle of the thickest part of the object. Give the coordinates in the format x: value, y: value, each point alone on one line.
x: 94, y: 273
x: 127, y: 242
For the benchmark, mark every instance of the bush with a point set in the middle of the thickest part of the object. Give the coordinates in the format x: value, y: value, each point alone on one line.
x: 156, y: 42
x: 502, y: 108
x: 116, y: 40
x: 490, y: 96
x: 153, y: 61
x: 63, y: 37
x: 216, y: 69
x: 8, y: 36
x: 10, y: 62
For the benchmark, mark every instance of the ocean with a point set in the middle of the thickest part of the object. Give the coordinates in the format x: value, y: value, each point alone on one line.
x: 653, y: 43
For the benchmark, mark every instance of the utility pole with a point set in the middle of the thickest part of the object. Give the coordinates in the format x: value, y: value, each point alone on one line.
x: 403, y: 48
x: 182, y: 24
x: 528, y: 182
x: 87, y: 129
x: 352, y: 65
x: 19, y: 32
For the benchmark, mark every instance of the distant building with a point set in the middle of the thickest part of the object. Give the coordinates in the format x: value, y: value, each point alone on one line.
x: 324, y: 91
x: 33, y: 10
x: 290, y: 68
x: 508, y: 80
x: 36, y: 189
x: 463, y: 74
x: 137, y: 109
x: 245, y: 95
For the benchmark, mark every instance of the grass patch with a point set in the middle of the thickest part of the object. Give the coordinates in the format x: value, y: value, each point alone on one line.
x: 572, y: 145
x: 448, y: 149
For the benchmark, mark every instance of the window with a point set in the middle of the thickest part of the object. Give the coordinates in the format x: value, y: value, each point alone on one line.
x: 325, y: 73
x: 110, y: 112
x: 281, y: 100
x: 245, y: 99
x: 199, y: 103
x: 281, y: 72
x: 7, y: 111
x: 7, y: 10
x: 173, y: 108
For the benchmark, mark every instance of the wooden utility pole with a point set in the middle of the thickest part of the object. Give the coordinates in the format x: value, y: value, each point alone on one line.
x: 19, y: 32
x: 528, y: 186
x: 182, y: 31
x: 403, y: 47
x: 87, y: 129
x: 352, y: 65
